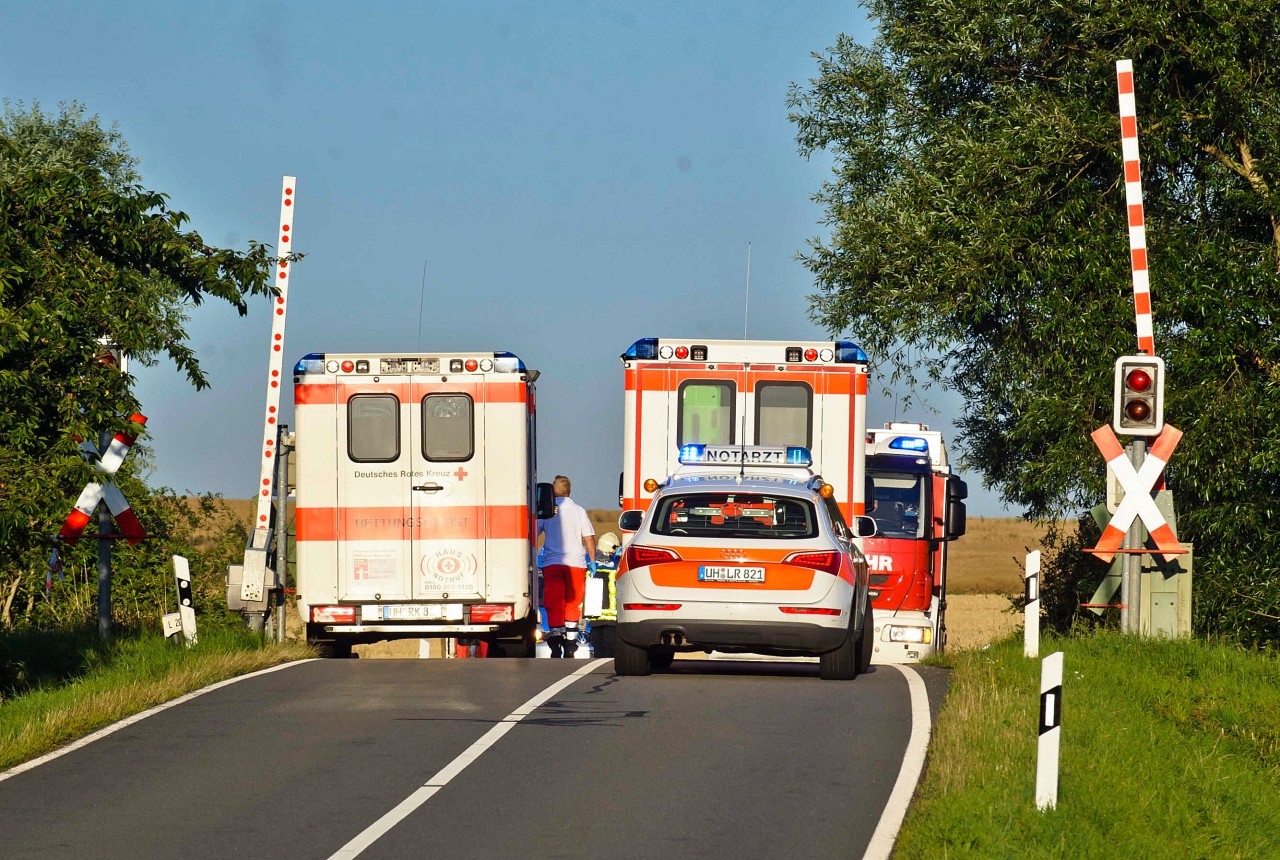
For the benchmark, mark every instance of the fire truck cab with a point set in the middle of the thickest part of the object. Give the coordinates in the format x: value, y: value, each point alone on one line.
x: 918, y: 506
x: 416, y: 498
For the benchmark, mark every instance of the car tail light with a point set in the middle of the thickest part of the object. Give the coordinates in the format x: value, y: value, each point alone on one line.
x: 826, y: 561
x: 808, y: 610
x: 644, y: 556
x: 652, y: 607
x: 490, y: 612
x: 333, y: 614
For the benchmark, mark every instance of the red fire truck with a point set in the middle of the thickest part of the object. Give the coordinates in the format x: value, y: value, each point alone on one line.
x: 918, y: 506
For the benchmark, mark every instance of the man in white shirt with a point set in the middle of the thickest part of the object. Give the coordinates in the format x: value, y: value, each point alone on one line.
x: 568, y: 552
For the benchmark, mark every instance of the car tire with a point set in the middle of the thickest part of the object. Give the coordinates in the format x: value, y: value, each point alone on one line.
x: 842, y: 663
x: 602, y: 639
x: 661, y: 658
x: 867, y: 641
x: 630, y: 659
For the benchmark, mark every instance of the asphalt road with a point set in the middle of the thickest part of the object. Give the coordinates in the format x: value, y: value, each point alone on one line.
x: 710, y: 759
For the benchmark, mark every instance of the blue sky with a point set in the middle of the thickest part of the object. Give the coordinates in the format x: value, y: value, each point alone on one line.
x: 571, y: 177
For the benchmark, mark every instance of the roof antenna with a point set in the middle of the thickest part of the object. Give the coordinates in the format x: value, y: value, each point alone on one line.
x: 742, y: 449
x: 421, y: 297
x: 746, y: 304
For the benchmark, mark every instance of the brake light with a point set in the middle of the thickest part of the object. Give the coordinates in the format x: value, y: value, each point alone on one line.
x: 333, y: 614
x: 652, y: 607
x: 644, y: 556
x: 827, y: 561
x: 490, y: 612
x: 808, y: 610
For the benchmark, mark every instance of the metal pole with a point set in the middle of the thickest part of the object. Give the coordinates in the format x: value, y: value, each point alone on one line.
x: 1134, y: 540
x: 104, y: 558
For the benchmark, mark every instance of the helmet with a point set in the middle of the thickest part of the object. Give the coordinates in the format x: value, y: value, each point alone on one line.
x: 608, y: 544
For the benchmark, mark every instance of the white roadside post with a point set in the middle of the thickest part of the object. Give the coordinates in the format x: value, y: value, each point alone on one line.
x: 186, y: 608
x: 1050, y: 731
x: 1031, y: 625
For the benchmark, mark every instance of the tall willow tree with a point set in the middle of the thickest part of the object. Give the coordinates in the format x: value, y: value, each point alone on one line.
x: 977, y: 219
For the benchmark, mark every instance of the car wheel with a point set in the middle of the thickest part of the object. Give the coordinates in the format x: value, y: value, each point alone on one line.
x: 602, y: 639
x: 661, y: 658
x: 867, y: 641
x: 629, y: 659
x: 842, y: 663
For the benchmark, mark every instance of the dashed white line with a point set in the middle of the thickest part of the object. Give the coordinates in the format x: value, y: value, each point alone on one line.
x: 895, y: 810
x: 420, y: 796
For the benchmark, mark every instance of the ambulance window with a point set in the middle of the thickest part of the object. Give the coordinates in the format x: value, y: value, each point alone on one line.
x: 705, y: 413
x: 448, y: 431
x: 784, y: 413
x: 373, y: 428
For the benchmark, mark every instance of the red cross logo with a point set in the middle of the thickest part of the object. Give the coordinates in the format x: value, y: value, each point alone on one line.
x: 460, y: 474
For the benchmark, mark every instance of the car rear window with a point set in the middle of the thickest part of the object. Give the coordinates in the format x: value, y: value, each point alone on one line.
x: 735, y: 515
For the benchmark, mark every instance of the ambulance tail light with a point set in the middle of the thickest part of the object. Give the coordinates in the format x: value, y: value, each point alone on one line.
x: 312, y: 362
x: 848, y: 352
x: 826, y: 561
x: 646, y: 556
x: 333, y: 615
x: 809, y: 610
x: 488, y: 613
x: 646, y: 348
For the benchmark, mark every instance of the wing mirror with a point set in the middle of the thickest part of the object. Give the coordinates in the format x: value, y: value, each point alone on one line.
x: 630, y: 521
x: 864, y: 526
x: 544, y: 501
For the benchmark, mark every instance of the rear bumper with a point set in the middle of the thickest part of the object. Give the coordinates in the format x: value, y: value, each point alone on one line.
x: 760, y: 637
x: 419, y: 629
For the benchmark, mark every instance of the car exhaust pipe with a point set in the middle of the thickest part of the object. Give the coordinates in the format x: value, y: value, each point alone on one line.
x: 672, y: 637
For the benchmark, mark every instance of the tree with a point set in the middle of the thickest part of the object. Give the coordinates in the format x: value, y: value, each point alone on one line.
x: 978, y: 240
x: 87, y: 256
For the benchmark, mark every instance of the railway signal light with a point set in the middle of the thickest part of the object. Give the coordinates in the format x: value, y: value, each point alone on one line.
x: 1139, y: 395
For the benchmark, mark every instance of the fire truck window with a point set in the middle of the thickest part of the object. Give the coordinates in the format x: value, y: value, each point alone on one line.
x: 373, y: 428
x: 784, y: 413
x: 899, y: 505
x: 448, y: 430
x: 706, y: 413
x: 735, y: 516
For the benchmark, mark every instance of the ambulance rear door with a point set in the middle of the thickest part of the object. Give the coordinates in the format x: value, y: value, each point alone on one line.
x: 447, y: 491
x: 373, y: 520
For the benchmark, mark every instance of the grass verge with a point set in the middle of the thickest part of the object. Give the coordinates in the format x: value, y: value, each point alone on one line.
x: 1168, y: 749
x: 135, y: 675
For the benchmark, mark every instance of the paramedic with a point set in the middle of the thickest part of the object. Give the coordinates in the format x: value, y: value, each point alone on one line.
x: 569, y: 551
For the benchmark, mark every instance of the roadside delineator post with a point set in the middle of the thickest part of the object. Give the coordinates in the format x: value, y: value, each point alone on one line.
x: 184, y: 620
x: 1031, y: 624
x: 1050, y: 731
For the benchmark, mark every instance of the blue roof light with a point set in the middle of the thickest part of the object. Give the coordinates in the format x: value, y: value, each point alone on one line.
x: 910, y: 443
x: 644, y: 348
x: 693, y: 453
x: 799, y: 456
x: 312, y: 362
x: 848, y: 352
x: 508, y: 362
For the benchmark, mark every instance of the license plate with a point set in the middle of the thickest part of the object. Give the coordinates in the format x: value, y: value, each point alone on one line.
x: 729, y: 573
x: 404, y: 612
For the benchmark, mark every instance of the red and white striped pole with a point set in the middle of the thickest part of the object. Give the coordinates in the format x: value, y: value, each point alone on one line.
x: 276, y: 364
x: 1133, y: 197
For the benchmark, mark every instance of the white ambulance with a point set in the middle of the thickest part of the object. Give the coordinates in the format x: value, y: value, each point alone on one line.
x: 809, y: 394
x: 417, y: 498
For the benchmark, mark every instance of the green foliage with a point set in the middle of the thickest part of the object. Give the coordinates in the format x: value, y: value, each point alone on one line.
x: 979, y: 240
x: 1167, y: 749
x: 88, y: 255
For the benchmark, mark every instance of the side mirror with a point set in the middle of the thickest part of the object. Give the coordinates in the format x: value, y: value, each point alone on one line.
x: 630, y: 521
x: 957, y: 513
x: 544, y: 501
x: 865, y: 526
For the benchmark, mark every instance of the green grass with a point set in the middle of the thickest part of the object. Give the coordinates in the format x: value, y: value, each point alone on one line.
x: 130, y: 675
x: 1168, y: 749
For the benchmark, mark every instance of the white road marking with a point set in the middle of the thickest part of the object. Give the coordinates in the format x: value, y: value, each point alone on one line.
x: 895, y: 810
x: 420, y: 796
x: 138, y: 717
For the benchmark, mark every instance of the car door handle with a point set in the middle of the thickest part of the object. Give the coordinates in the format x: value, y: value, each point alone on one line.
x: 429, y: 488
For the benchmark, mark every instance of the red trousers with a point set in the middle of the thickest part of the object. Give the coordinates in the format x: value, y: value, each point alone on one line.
x: 562, y: 592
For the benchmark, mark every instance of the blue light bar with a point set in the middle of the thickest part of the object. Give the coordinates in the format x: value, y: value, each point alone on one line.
x: 799, y: 456
x: 644, y: 348
x: 848, y: 352
x: 910, y: 443
x: 693, y: 453
x: 508, y: 362
x: 312, y: 362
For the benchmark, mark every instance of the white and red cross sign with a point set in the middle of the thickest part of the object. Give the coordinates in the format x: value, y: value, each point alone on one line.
x: 1138, y: 486
x: 108, y: 462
